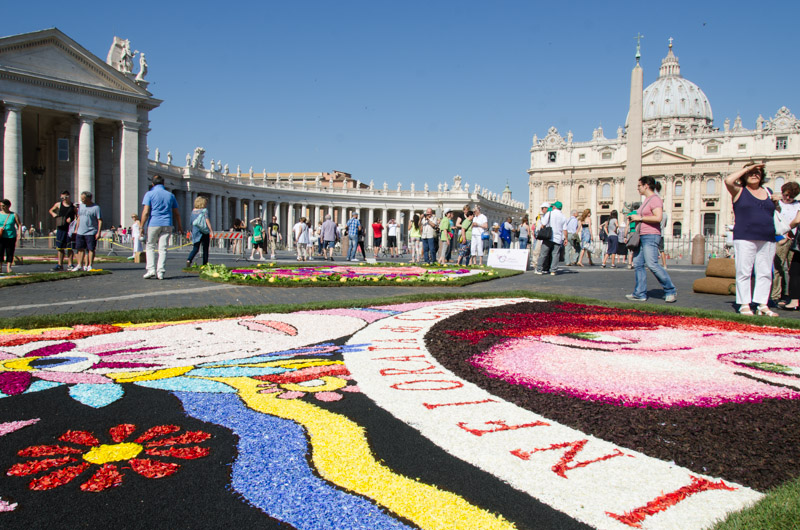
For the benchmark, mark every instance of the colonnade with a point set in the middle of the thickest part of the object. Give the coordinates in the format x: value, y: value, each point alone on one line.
x: 223, y: 210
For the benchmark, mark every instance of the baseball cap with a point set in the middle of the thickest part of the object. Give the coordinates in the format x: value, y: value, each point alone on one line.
x: 544, y: 205
x: 558, y: 204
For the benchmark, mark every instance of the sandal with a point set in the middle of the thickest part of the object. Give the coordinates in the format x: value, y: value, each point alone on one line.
x: 745, y: 310
x: 763, y: 310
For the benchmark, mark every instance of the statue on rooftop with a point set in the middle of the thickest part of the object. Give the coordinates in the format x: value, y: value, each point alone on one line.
x: 169, y: 158
x: 142, y: 69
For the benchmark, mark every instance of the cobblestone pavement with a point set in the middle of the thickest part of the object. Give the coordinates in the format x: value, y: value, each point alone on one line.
x: 126, y: 289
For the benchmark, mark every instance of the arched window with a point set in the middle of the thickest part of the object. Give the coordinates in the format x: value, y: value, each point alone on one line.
x: 676, y: 229
x: 606, y: 191
x: 780, y: 181
x: 551, y: 193
x: 711, y: 187
x: 581, y: 193
x: 679, y: 189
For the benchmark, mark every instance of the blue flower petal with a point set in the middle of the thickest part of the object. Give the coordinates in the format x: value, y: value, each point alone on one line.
x: 96, y: 396
x: 236, y: 371
x: 188, y: 384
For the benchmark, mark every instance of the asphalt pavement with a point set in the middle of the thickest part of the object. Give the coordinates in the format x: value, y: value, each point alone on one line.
x: 125, y: 289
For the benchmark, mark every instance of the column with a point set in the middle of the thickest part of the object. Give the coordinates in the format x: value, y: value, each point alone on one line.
x: 668, y: 204
x: 317, y: 212
x: 697, y: 216
x: 237, y: 209
x: 593, y: 204
x: 188, y: 205
x: 369, y: 238
x: 290, y: 227
x: 86, y: 154
x: 129, y: 169
x: 385, y: 221
x: 618, y: 194
x: 12, y: 156
x: 686, y: 224
x: 342, y: 217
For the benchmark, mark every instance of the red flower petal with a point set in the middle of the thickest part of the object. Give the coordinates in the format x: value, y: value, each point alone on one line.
x: 106, y: 477
x: 80, y: 438
x: 158, y: 430
x: 153, y: 468
x: 189, y: 437
x: 122, y: 431
x: 186, y: 453
x: 34, y: 466
x: 49, y: 450
x: 58, y: 478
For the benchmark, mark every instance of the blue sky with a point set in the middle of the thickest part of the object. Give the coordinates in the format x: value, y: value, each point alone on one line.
x: 421, y: 91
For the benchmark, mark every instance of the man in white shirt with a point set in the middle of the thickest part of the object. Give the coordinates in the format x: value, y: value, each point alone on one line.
x: 480, y: 224
x: 391, y: 236
x: 429, y: 223
x: 573, y: 244
x: 548, y: 255
x: 789, y: 208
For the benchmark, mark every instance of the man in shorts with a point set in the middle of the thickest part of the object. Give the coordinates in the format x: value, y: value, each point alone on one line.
x: 377, y: 232
x: 64, y: 213
x: 90, y: 224
x: 329, y: 234
x: 273, y: 235
x: 391, y: 237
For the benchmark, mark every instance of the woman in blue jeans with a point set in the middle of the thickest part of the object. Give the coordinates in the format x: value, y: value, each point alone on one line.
x: 649, y: 217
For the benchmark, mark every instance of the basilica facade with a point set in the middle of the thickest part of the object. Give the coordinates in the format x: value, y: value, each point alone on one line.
x: 73, y: 121
x: 681, y: 148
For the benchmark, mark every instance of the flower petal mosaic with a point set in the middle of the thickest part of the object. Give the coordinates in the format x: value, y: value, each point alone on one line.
x: 491, y: 413
x: 345, y: 274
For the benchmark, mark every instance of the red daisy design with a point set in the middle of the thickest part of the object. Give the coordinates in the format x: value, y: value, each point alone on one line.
x: 104, y: 458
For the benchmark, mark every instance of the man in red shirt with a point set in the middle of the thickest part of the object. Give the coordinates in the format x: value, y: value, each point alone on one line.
x: 377, y: 231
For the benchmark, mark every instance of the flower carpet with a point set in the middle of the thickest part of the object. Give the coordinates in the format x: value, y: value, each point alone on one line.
x: 318, y: 275
x: 494, y: 413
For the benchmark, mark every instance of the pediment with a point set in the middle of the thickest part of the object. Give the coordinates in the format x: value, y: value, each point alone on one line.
x: 659, y: 155
x: 51, y: 55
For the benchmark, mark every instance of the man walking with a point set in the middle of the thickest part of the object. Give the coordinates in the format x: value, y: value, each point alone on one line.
x: 572, y: 247
x: 161, y: 209
x: 429, y: 224
x: 353, y: 227
x: 64, y: 213
x: 329, y: 234
x: 548, y: 254
x: 274, y: 235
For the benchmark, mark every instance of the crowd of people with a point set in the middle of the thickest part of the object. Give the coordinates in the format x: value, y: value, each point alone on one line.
x: 764, y: 242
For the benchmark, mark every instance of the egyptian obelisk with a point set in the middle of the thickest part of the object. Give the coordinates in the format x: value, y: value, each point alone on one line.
x: 633, y: 167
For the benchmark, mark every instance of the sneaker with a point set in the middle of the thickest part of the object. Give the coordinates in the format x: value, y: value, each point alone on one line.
x: 636, y: 298
x: 160, y: 276
x: 671, y: 298
x: 148, y: 275
x: 87, y: 268
x: 538, y: 272
x: 76, y: 268
x: 552, y: 273
x: 58, y: 268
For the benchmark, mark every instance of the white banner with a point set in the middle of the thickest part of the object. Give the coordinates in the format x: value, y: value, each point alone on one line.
x: 507, y: 258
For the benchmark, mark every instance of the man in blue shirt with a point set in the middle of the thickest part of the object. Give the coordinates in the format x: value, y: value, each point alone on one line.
x: 353, y: 227
x: 161, y: 210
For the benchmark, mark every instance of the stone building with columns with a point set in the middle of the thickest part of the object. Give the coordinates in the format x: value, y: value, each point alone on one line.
x: 71, y: 122
x: 681, y: 148
x: 75, y: 122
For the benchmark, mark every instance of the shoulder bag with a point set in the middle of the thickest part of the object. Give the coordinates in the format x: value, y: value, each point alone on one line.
x: 545, y: 233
